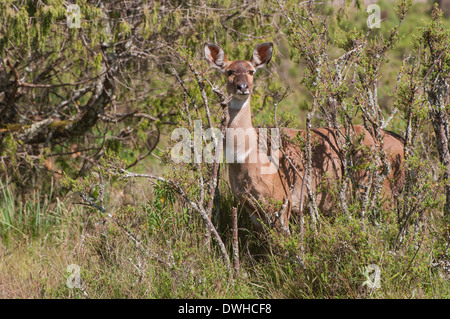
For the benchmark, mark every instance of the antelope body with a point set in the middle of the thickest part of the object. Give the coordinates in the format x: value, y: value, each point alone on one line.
x: 256, y: 183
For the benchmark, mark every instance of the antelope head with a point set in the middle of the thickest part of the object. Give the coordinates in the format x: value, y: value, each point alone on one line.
x: 239, y: 73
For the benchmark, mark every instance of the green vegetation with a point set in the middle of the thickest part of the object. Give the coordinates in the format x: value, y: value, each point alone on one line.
x: 95, y: 186
x: 177, y: 264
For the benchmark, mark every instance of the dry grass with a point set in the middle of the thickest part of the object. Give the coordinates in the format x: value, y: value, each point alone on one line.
x: 173, y: 261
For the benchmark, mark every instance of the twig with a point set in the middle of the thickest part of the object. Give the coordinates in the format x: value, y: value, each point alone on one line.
x: 235, y: 243
x: 89, y: 202
x: 194, y: 205
x: 312, y: 197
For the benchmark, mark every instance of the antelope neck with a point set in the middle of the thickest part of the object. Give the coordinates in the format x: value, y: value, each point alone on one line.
x: 240, y: 113
x: 244, y: 144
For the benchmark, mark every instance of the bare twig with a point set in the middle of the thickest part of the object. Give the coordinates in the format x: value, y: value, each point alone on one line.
x: 235, y: 243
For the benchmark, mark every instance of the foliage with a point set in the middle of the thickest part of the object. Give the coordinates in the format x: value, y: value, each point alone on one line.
x: 88, y: 113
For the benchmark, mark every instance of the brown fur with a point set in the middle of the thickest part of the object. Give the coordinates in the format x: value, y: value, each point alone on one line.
x: 268, y: 192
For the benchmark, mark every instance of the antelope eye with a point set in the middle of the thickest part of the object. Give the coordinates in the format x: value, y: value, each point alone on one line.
x: 230, y: 72
x: 251, y: 72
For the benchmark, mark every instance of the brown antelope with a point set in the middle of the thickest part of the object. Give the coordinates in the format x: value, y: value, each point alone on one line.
x: 251, y: 174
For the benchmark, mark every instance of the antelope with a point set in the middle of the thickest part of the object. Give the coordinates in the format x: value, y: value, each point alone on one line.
x: 281, y: 192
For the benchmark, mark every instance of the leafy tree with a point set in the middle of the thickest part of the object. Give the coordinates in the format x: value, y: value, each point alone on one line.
x: 69, y: 94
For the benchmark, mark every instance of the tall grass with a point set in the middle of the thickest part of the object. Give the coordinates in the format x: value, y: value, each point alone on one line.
x: 174, y: 262
x: 30, y: 218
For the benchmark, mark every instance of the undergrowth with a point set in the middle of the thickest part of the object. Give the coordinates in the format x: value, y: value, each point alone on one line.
x: 172, y: 260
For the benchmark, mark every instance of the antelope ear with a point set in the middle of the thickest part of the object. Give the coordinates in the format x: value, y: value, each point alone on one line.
x: 262, y: 55
x: 215, y: 56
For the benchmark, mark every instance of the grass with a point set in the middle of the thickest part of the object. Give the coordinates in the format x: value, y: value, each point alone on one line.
x: 175, y: 263
x: 36, y: 256
x: 27, y: 219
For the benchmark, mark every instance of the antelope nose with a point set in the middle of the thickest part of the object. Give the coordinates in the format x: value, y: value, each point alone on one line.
x: 242, y: 87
